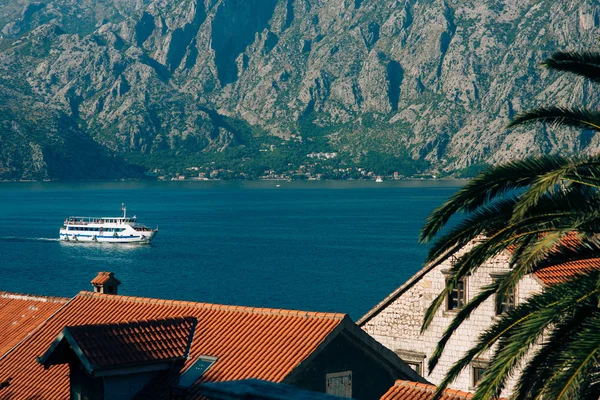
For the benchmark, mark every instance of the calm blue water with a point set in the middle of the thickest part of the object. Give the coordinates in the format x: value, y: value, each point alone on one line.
x: 323, y: 246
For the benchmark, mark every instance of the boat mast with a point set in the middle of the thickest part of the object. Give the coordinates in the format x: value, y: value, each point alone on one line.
x: 124, y: 210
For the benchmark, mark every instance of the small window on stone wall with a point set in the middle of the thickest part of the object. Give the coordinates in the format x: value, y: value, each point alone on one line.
x: 478, y: 368
x: 508, y: 302
x: 339, y: 384
x: 417, y: 366
x: 458, y: 297
x: 478, y: 372
x: 413, y: 359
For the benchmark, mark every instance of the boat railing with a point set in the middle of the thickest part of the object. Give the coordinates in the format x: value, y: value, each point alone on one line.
x: 96, y: 220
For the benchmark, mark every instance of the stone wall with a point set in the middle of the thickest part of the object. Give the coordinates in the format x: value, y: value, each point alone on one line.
x: 397, y: 326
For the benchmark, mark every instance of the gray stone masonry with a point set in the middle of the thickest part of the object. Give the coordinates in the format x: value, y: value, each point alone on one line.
x: 397, y: 326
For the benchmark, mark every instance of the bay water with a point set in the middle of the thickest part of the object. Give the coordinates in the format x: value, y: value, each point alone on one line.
x: 318, y: 246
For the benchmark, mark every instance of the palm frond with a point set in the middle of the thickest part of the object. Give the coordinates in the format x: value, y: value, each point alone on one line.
x: 434, y: 307
x: 487, y: 186
x: 523, y: 326
x: 560, y: 116
x: 488, y: 218
x: 481, y: 252
x: 460, y: 317
x: 543, y: 365
x: 543, y: 185
x: 580, y: 355
x: 584, y: 64
x: 543, y: 311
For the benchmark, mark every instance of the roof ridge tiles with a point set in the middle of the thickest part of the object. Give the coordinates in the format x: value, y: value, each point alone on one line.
x: 33, y: 297
x: 223, y: 307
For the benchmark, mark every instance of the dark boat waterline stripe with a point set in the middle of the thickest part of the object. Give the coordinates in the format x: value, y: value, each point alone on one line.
x: 102, y: 237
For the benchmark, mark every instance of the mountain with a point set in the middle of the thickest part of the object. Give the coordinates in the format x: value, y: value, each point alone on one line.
x: 427, y: 85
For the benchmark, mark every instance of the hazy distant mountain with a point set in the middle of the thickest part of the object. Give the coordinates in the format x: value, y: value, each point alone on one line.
x: 425, y: 80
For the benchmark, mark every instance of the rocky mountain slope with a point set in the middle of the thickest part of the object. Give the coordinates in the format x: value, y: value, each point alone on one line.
x: 424, y: 80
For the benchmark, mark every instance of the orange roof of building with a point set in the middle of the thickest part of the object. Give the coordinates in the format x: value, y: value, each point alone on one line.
x: 562, y: 272
x: 104, y: 277
x: 407, y: 390
x: 128, y: 343
x: 20, y: 314
x: 249, y: 342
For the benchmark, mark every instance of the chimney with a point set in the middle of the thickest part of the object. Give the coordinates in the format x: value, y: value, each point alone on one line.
x: 105, y: 283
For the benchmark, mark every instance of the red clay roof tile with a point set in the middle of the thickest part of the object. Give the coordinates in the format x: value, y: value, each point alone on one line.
x: 407, y: 390
x: 20, y: 314
x: 562, y: 272
x: 131, y: 343
x: 249, y: 342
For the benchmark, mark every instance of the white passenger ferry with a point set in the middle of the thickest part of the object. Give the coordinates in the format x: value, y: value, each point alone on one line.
x: 106, y: 230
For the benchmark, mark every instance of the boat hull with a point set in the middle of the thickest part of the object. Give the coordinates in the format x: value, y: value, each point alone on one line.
x: 140, y: 238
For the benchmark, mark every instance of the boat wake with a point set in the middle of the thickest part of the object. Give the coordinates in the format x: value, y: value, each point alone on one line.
x: 17, y: 239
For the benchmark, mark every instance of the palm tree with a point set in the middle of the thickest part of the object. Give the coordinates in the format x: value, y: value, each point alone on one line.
x: 531, y: 206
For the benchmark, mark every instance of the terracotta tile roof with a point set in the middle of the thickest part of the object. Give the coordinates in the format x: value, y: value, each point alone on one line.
x: 129, y: 343
x: 406, y: 390
x: 20, y: 314
x: 104, y: 277
x: 562, y: 272
x: 249, y: 342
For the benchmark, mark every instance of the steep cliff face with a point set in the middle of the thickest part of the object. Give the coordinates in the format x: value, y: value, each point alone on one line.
x: 39, y: 142
x: 435, y: 80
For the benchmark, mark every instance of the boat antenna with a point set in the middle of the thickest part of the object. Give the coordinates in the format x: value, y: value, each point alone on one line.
x: 124, y: 210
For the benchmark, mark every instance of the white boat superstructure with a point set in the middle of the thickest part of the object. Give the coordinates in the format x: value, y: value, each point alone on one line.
x: 106, y: 230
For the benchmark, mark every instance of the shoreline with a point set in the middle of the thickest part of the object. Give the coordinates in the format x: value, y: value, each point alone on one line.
x: 134, y: 180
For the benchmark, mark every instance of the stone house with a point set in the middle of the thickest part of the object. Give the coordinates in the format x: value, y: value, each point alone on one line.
x: 98, y: 345
x: 396, y: 321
